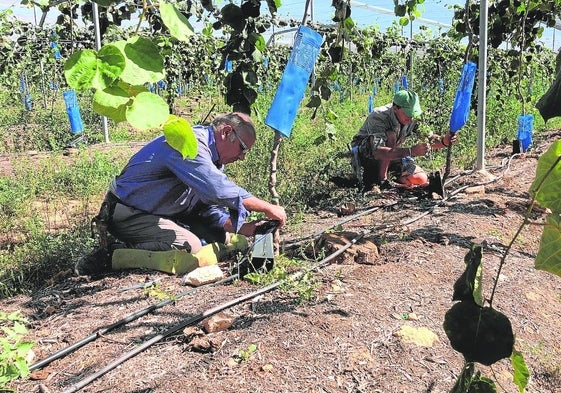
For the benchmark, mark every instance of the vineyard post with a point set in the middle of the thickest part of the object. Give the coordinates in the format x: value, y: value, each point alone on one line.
x: 98, y: 47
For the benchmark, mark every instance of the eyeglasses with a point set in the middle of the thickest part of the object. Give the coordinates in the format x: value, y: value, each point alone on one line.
x: 243, y: 146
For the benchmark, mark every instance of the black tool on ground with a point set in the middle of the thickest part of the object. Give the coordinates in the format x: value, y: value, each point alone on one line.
x: 435, y: 184
x: 516, y: 147
x: 261, y: 257
x: 355, y: 164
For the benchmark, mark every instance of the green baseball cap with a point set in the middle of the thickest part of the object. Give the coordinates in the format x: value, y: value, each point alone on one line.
x: 408, y: 101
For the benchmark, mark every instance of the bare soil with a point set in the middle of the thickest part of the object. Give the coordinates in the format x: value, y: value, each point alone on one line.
x: 350, y: 337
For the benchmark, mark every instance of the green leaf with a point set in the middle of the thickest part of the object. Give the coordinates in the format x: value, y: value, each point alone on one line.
x: 314, y: 102
x: 80, y: 69
x: 549, y: 257
x: 178, y: 25
x: 87, y: 68
x: 257, y: 56
x: 208, y: 30
x: 6, y: 346
x: 179, y: 135
x: 19, y: 328
x: 105, y: 3
x: 521, y: 373
x: 332, y: 116
x: 331, y: 131
x: 22, y: 367
x: 349, y: 24
x: 111, y: 102
x: 24, y: 347
x: 232, y: 15
x: 110, y: 64
x: 482, y: 385
x: 15, y: 316
x: 320, y: 139
x: 469, y: 286
x: 403, y: 21
x: 399, y: 9
x: 258, y: 41
x: 147, y: 111
x: 546, y: 186
x: 143, y: 61
x: 464, y: 379
x: 481, y: 334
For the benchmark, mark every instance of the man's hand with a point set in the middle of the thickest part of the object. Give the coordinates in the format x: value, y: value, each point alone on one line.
x: 440, y: 142
x: 420, y: 149
x: 450, y: 138
x: 273, y: 212
x: 276, y: 213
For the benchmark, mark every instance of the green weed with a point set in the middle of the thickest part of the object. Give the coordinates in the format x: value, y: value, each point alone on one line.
x: 154, y: 290
x: 245, y: 354
x: 303, y: 286
x: 14, y: 349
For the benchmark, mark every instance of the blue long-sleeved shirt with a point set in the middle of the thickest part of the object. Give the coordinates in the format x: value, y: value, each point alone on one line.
x: 159, y: 181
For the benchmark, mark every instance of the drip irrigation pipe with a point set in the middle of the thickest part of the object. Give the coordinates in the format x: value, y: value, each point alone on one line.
x: 197, y: 318
x: 134, y: 316
x: 129, y: 318
x: 351, y: 218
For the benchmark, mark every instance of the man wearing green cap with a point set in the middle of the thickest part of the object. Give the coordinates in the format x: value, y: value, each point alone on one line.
x: 377, y: 148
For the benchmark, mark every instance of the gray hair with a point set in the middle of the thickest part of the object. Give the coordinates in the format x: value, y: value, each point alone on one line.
x: 237, y: 122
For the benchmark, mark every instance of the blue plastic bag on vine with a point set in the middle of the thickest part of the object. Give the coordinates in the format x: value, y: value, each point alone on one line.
x: 462, y: 102
x: 293, y: 83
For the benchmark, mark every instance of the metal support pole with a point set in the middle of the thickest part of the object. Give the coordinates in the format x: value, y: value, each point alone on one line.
x: 481, y: 86
x: 95, y: 12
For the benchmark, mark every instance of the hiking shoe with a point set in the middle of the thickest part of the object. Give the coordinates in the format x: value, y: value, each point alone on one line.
x: 386, y: 185
x: 96, y: 262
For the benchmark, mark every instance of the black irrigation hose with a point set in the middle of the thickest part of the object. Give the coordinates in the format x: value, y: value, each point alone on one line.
x: 197, y: 318
x: 365, y: 212
x: 134, y: 316
x: 129, y: 318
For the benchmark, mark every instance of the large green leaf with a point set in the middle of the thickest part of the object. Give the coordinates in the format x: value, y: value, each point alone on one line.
x: 546, y: 186
x: 179, y: 135
x: 143, y: 61
x: 80, y: 68
x: 521, y: 373
x: 87, y: 68
x: 481, y: 334
x: 178, y: 25
x: 549, y: 254
x: 147, y: 111
x: 111, y: 102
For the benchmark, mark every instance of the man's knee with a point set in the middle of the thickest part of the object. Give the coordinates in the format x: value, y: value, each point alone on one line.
x: 416, y: 179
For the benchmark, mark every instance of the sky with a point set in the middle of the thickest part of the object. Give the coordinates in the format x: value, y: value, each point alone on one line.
x: 435, y: 13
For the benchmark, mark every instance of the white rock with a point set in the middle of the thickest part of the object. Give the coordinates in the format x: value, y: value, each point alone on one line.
x: 203, y: 275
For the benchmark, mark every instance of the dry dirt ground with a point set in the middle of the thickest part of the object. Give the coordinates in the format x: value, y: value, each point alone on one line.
x: 351, y: 337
